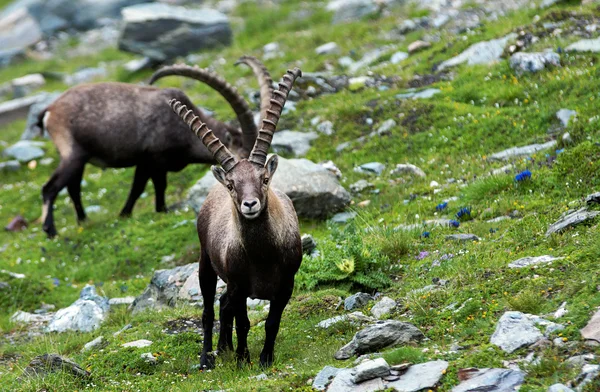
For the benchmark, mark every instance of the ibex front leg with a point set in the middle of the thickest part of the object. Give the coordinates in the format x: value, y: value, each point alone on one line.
x: 278, y: 304
x: 208, y: 286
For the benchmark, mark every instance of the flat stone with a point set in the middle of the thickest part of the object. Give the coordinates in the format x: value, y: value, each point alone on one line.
x: 355, y: 318
x: 572, y: 219
x: 94, y: 344
x: 418, y: 46
x: 368, y: 59
x: 324, y: 377
x: 10, y: 166
x: 585, y: 45
x: 407, y: 168
x: 516, y: 330
x: 497, y: 380
x: 462, y: 237
x: 378, y: 336
x: 398, y: 57
x: 17, y: 109
x: 565, y: 115
x: 383, y: 307
x: 121, y: 301
x: 21, y: 317
x: 328, y: 48
x: 420, y: 377
x: 138, y: 343
x: 523, y: 62
x: 356, y: 301
x: 350, y: 10
x: 559, y: 388
x: 344, y: 382
x: 24, y: 151
x: 592, y: 330
x: 414, y: 94
x: 52, y: 363
x: 533, y: 260
x: 292, y: 142
x: 360, y: 186
x: 343, y: 217
x: 371, y: 168
x: 517, y: 152
x: 580, y: 360
x: 485, y: 52
x: 371, y: 369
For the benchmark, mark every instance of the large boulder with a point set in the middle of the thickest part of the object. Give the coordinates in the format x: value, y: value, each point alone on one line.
x: 18, y: 31
x: 314, y: 190
x: 16, y: 109
x: 25, y: 151
x: 162, y: 32
x: 84, y: 315
x: 516, y: 330
x: 498, y: 380
x: 485, y: 52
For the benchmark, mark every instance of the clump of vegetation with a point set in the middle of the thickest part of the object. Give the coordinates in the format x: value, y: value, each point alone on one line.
x: 577, y: 168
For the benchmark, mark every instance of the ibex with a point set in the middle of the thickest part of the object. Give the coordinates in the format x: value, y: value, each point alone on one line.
x: 248, y: 233
x: 122, y: 125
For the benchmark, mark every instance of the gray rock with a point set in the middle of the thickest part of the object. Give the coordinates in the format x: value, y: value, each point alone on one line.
x: 371, y: 168
x: 462, y: 237
x: 25, y: 151
x: 564, y: 115
x: 419, y: 226
x: 17, y: 109
x: 497, y: 380
x: 52, y: 363
x: 572, y: 219
x: 418, y: 46
x: 559, y: 388
x: 517, y: 152
x: 324, y: 377
x: 314, y: 190
x: 345, y: 61
x: 360, y: 186
x: 533, y: 260
x: 516, y: 330
x: 592, y: 330
x: 368, y: 59
x: 9, y: 166
x: 407, y: 168
x: 398, y: 57
x: 414, y: 94
x: 593, y: 198
x: 588, y: 374
x: 121, y: 301
x: 523, y: 62
x: 351, y: 10
x: 149, y: 358
x: 585, y: 45
x: 162, y: 32
x: 328, y: 48
x: 344, y: 382
x: 359, y: 82
x: 31, y: 128
x: 498, y: 219
x: 383, y: 307
x: 21, y: 317
x: 18, y: 31
x: 386, y: 127
x: 138, y: 343
x: 86, y: 75
x: 356, y: 301
x: 355, y: 318
x: 309, y: 245
x: 168, y: 287
x: 94, y: 209
x: 371, y: 369
x: 84, y: 315
x: 378, y: 336
x: 485, y: 52
x: 420, y: 377
x: 260, y: 377
x: 407, y: 26
x: 125, y: 328
x: 292, y: 142
x: 24, y: 85
x: 326, y: 128
x: 94, y: 344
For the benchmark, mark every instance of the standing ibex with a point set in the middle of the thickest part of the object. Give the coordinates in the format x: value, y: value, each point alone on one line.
x: 123, y: 125
x: 248, y: 233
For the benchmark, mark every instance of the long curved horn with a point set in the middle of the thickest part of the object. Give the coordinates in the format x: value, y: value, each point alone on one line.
x: 221, y: 153
x: 264, y: 81
x: 269, y: 124
x: 236, y: 101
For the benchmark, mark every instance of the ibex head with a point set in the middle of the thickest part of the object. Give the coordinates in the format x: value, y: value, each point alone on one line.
x: 247, y: 180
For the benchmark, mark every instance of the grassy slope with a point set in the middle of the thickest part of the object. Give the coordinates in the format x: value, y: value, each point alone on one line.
x: 483, y: 110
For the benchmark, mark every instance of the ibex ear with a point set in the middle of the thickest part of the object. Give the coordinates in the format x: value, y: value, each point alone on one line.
x: 271, y: 165
x: 219, y: 174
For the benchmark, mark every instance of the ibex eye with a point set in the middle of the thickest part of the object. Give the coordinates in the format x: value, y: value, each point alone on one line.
x: 266, y: 181
x: 230, y: 187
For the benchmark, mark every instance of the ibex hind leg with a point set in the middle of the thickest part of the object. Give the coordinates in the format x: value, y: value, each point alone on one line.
x: 140, y: 179
x: 208, y: 286
x: 74, y: 188
x: 242, y: 327
x: 159, y: 179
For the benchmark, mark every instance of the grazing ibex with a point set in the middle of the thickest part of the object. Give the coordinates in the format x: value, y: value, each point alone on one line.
x: 122, y: 125
x: 248, y: 233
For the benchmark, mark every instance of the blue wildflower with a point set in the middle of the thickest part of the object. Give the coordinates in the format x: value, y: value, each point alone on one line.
x: 425, y: 234
x: 56, y: 282
x: 441, y: 206
x: 559, y: 151
x: 524, y: 175
x: 465, y: 211
x: 492, y: 231
x: 454, y: 223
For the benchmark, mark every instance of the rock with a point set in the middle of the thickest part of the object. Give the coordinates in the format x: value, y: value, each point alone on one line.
x: 359, y: 82
x: 85, y: 75
x: 18, y: 223
x: 343, y: 217
x: 407, y: 168
x: 407, y: 26
x: 13, y: 275
x: 324, y: 377
x: 564, y: 115
x: 398, y: 57
x: 360, y: 186
x: 559, y: 388
x: 344, y: 382
x: 162, y: 32
x: 149, y: 358
x: 94, y: 344
x: 517, y: 152
x: 462, y: 237
x: 25, y: 84
x: 355, y: 318
x: 31, y: 128
x: 138, y: 343
x: 25, y: 151
x: 587, y: 375
x: 18, y: 31
x: 585, y: 45
x: 533, y: 260
x: 260, y: 377
x: 592, y: 330
x: 125, y: 328
x: 515, y: 330
x: 326, y: 128
x: 21, y: 317
x: 51, y: 363
x: 420, y: 377
x: 121, y: 301
x: 561, y: 311
x: 345, y: 61
x: 328, y: 48
x: 418, y: 46
x: 368, y: 59
x: 593, y: 198
x: 314, y: 190
x: 523, y: 62
x: 356, y: 301
x: 414, y: 94
x: 383, y: 307
x: 580, y: 360
x: 378, y: 336
x: 351, y: 10
x: 17, y: 108
x: 165, y: 288
x: 84, y: 315
x: 386, y: 127
x: 485, y: 52
x: 497, y: 380
x: 370, y: 168
x: 371, y: 369
x: 9, y: 166
x: 571, y: 219
x: 292, y: 142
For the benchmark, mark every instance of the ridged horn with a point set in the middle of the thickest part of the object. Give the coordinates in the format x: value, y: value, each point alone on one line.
x: 265, y: 82
x: 221, y: 153
x: 233, y: 97
x: 269, y: 123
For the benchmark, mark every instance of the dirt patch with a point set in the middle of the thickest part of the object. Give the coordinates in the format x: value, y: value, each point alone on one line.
x: 411, y: 120
x: 177, y: 326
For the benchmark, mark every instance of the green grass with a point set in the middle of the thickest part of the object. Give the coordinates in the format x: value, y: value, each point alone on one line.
x: 483, y: 110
